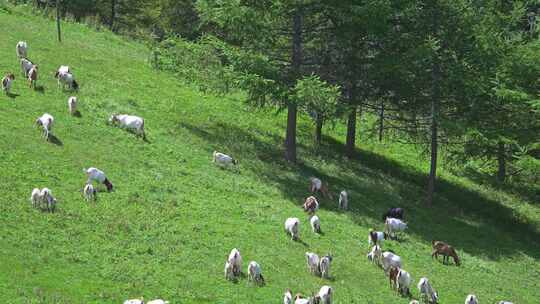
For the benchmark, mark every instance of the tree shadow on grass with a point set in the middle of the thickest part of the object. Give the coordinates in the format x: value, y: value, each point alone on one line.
x: 465, y: 219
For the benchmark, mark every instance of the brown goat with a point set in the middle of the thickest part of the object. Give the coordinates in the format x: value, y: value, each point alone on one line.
x: 393, y: 277
x: 32, y: 76
x: 445, y: 250
x: 311, y: 205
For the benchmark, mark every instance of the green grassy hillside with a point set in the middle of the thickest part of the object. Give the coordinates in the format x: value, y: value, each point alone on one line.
x: 173, y: 218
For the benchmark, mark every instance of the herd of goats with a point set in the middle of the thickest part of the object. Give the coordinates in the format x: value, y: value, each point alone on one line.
x: 400, y: 280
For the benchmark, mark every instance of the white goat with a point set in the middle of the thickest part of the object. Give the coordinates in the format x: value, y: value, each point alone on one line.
x: 255, y: 273
x: 505, y: 302
x: 72, y: 105
x: 389, y: 260
x: 312, y: 261
x: 63, y: 69
x: 89, y: 192
x: 292, y: 227
x: 158, y: 301
x: 7, y: 82
x: 229, y: 274
x: 21, y: 49
x: 46, y: 122
x: 315, y: 224
x: 471, y: 299
x: 316, y: 185
x: 375, y: 255
x: 414, y: 302
x: 130, y: 122
x: 427, y: 292
x: 48, y: 199
x: 26, y: 66
x: 223, y: 159
x: 287, y: 297
x: 135, y: 301
x: 343, y: 200
x: 235, y: 259
x: 36, y: 198
x: 325, y: 293
x: 99, y: 176
x: 404, y: 281
x: 67, y: 80
x: 324, y: 266
x: 376, y: 237
x: 393, y: 225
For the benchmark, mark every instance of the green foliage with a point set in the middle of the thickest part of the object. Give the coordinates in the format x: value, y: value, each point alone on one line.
x: 316, y: 97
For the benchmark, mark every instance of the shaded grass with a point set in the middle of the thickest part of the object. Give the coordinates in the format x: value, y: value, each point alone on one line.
x: 167, y: 228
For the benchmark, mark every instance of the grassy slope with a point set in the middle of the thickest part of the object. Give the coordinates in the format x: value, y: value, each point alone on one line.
x: 174, y: 217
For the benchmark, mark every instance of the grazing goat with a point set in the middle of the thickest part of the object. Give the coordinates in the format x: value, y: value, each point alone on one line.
x: 312, y: 260
x: 255, y: 273
x: 376, y: 237
x: 324, y: 266
x: 343, y: 200
x: 298, y: 299
x: 67, y: 79
x: 404, y: 282
x: 315, y: 224
x: 392, y: 277
x: 223, y: 159
x: 229, y: 274
x: 375, y: 255
x: 7, y: 81
x: 45, y: 121
x: 130, y: 122
x: 393, y: 225
x: 325, y: 293
x: 89, y: 192
x: 390, y: 259
x: 287, y: 297
x: 72, y: 105
x: 99, y: 176
x: 135, y: 301
x: 316, y: 185
x: 427, y: 292
x: 33, y: 76
x: 36, y: 198
x: 398, y: 213
x: 471, y: 299
x: 235, y: 259
x: 21, y: 49
x: 158, y: 301
x: 311, y: 205
x: 414, y: 302
x: 445, y: 250
x: 62, y: 70
x: 292, y: 227
x: 26, y: 66
x: 48, y: 199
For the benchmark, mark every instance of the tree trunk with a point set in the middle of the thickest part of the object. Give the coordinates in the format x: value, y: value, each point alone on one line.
x: 113, y: 14
x: 350, y: 146
x: 435, y: 91
x: 290, y: 137
x: 318, y: 131
x: 501, y: 160
x: 58, y: 20
x: 381, y: 121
